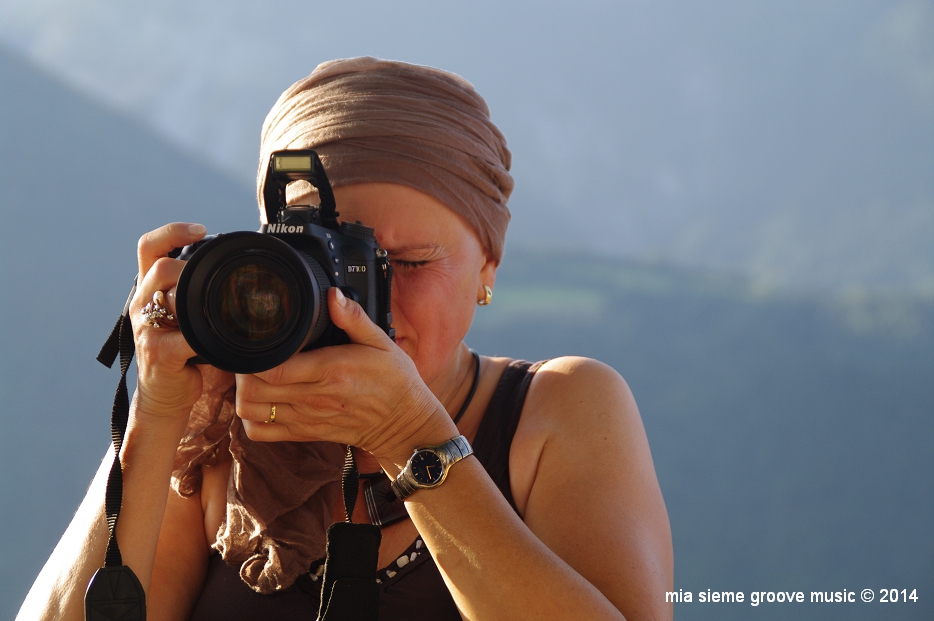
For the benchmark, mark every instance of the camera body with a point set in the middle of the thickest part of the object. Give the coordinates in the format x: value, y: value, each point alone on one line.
x: 247, y: 301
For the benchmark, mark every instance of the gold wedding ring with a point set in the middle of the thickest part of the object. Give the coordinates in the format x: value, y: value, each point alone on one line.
x: 272, y: 414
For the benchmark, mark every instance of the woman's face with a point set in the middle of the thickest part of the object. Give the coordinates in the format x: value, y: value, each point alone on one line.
x: 439, y: 268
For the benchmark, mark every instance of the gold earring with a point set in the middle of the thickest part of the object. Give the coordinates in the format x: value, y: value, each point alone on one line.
x: 488, y: 298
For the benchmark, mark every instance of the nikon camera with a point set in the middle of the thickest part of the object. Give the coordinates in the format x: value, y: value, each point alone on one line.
x: 248, y: 301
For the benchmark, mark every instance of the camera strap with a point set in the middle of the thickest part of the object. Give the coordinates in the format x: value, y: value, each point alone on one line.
x: 115, y: 592
x: 349, y: 591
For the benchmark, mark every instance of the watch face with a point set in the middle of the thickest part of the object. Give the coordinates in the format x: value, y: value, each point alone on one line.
x: 427, y: 468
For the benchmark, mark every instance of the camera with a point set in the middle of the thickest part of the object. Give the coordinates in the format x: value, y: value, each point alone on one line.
x: 247, y: 301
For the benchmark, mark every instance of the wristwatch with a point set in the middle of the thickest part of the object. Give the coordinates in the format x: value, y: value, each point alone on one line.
x: 428, y: 466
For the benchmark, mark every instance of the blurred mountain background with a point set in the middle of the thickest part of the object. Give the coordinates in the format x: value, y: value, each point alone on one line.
x: 787, y: 141
x: 731, y: 203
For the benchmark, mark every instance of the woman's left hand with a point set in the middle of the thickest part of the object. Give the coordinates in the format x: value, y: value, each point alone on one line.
x: 366, y: 394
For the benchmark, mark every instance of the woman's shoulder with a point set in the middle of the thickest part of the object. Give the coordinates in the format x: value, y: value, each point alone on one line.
x: 563, y: 391
x: 573, y: 390
x: 573, y: 405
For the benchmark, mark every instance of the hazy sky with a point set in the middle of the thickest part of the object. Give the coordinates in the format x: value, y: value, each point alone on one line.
x: 790, y: 140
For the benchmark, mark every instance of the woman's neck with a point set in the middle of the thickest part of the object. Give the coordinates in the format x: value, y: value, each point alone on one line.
x: 453, y: 387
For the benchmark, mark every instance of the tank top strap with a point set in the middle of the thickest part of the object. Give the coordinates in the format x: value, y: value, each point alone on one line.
x: 500, y: 421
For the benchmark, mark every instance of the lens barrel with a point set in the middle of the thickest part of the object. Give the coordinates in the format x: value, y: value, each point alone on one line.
x: 247, y: 302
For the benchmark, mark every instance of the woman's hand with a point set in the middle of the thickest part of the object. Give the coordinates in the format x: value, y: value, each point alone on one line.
x: 166, y: 385
x: 367, y: 394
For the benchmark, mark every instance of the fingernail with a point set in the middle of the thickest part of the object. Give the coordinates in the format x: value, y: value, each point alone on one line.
x: 340, y: 297
x: 197, y: 229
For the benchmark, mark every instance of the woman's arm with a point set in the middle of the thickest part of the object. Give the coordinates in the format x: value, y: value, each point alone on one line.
x: 58, y: 592
x: 79, y: 553
x: 181, y: 563
x: 595, y: 542
x: 167, y: 388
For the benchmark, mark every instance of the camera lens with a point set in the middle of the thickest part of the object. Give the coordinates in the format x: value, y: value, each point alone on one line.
x: 247, y: 302
x: 254, y: 302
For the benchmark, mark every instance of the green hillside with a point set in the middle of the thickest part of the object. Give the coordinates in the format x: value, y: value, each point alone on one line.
x: 793, y: 436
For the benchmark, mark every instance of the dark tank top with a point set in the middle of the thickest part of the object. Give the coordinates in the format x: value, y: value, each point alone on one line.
x: 411, y: 587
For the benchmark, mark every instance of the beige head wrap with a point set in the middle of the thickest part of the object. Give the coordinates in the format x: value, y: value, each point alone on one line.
x: 381, y: 121
x: 370, y: 121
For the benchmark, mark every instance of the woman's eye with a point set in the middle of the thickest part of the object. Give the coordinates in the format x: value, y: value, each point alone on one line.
x: 409, y: 264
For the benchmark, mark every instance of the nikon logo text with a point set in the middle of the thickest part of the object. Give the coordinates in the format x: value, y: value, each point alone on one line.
x: 285, y: 228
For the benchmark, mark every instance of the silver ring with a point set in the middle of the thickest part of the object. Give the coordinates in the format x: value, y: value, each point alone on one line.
x: 156, y: 315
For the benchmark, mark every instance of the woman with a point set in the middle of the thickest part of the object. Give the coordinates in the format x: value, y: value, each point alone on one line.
x: 557, y: 514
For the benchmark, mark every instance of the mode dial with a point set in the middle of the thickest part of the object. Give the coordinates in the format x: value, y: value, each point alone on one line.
x: 358, y: 230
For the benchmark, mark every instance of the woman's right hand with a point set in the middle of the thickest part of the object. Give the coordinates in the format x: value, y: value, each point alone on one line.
x: 166, y: 385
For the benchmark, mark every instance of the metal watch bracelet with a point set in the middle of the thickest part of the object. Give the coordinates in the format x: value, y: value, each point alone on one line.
x: 449, y: 453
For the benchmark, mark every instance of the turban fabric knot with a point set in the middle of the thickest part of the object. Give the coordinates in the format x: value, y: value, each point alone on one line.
x: 370, y: 121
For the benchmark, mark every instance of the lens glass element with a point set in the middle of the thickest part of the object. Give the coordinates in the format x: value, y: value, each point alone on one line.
x: 255, y: 302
